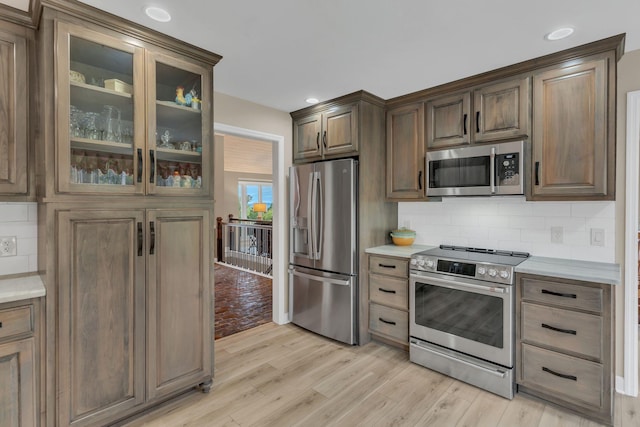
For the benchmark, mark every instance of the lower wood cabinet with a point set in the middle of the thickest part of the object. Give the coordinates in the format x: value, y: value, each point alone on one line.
x: 389, y: 299
x: 134, y: 310
x: 18, y: 365
x: 564, y: 336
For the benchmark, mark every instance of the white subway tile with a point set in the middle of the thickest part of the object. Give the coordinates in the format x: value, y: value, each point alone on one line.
x: 525, y: 222
x: 492, y: 221
x: 33, y: 212
x: 514, y: 209
x: 14, y: 212
x: 14, y: 265
x: 594, y: 209
x: 568, y: 223
x: 21, y: 230
x: 465, y: 221
x: 536, y: 235
x: 482, y: 243
x: 554, y: 209
x: 576, y: 238
x: 27, y: 246
x: 475, y: 232
x: 592, y: 253
x: 513, y: 245
x: 33, y: 263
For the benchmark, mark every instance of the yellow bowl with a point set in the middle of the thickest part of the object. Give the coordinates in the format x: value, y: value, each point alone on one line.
x: 402, y: 241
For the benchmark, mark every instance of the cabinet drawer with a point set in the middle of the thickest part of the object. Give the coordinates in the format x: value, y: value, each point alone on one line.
x: 564, y: 376
x: 389, y: 291
x: 563, y: 329
x: 388, y: 321
x: 15, y: 321
x: 389, y: 266
x: 563, y: 294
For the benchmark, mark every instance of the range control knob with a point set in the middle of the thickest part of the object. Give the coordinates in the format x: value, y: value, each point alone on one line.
x: 421, y: 262
x: 430, y: 263
x: 492, y: 272
x: 504, y: 274
x: 414, y: 262
x: 482, y: 271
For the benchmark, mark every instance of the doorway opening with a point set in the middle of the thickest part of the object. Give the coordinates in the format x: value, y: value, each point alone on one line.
x: 248, y: 185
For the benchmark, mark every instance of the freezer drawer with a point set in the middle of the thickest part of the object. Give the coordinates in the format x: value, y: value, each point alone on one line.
x: 324, y: 303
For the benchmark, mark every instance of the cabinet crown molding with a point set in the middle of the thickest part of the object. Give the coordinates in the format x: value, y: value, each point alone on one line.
x: 360, y: 95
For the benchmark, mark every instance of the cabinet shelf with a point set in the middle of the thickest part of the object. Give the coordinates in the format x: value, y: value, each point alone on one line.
x: 179, y: 155
x: 102, y: 146
x: 94, y: 98
x: 171, y: 104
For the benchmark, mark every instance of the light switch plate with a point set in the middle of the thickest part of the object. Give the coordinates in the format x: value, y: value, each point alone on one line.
x: 8, y: 246
x: 597, y: 237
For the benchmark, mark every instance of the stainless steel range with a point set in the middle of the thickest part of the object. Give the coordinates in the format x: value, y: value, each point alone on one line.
x: 462, y: 304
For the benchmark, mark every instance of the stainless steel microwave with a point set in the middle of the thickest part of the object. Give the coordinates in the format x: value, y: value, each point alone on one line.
x: 482, y: 170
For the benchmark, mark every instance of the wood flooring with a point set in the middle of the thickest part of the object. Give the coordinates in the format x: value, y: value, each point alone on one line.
x: 285, y: 376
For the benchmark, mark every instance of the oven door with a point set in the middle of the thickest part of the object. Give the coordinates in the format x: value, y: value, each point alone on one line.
x: 466, y: 171
x: 466, y: 315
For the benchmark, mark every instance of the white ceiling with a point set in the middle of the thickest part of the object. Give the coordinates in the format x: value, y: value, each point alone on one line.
x: 279, y: 52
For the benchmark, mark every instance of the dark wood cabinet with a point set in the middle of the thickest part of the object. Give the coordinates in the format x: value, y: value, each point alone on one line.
x: 329, y: 133
x: 14, y: 109
x: 448, y: 121
x: 564, y: 343
x: 573, y: 144
x: 18, y: 364
x: 405, y: 152
x: 500, y: 110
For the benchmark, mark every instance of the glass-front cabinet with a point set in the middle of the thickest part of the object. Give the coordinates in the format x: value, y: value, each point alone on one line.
x: 130, y: 120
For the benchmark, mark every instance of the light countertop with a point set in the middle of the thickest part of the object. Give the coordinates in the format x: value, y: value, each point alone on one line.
x: 597, y: 272
x: 398, y: 251
x: 21, y: 288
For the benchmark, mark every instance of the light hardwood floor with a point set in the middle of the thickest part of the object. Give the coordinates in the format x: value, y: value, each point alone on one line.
x: 285, y: 376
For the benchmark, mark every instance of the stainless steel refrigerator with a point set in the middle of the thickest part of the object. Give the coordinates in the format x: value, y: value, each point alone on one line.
x: 323, y: 258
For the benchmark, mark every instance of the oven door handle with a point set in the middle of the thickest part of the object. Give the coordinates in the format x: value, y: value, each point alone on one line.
x: 497, y: 373
x: 458, y: 285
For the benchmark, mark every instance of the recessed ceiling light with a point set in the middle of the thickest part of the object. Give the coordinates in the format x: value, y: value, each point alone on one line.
x: 312, y: 100
x: 157, y: 14
x: 559, y: 34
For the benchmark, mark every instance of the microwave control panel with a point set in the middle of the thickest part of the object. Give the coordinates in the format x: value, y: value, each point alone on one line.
x: 508, y: 169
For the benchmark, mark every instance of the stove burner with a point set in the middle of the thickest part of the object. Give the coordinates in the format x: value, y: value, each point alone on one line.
x: 485, y: 251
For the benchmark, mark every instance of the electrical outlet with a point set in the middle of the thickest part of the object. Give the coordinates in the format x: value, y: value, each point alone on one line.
x: 557, y: 234
x: 597, y: 237
x: 8, y: 246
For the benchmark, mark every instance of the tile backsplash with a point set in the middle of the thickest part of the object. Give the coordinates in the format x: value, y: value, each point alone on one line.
x: 20, y: 220
x: 512, y: 223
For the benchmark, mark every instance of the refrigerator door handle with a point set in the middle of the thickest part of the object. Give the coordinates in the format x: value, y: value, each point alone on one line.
x: 319, y: 217
x: 320, y: 278
x: 310, y: 209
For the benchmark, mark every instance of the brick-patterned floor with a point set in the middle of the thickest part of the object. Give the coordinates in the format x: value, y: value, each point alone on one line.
x: 242, y: 300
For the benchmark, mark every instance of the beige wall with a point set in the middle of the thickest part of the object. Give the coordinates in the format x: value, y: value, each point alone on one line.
x: 628, y: 80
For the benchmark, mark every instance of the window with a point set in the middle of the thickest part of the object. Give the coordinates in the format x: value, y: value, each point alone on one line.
x: 250, y: 192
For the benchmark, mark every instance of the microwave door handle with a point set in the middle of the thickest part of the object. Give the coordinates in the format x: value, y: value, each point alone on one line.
x: 492, y: 169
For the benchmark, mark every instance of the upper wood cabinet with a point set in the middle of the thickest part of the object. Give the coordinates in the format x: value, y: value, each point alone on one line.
x: 500, y: 111
x: 329, y: 133
x: 573, y: 145
x: 14, y: 110
x: 129, y: 120
x: 405, y: 152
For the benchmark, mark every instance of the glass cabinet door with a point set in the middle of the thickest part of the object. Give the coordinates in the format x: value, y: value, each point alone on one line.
x: 179, y: 126
x: 100, y: 127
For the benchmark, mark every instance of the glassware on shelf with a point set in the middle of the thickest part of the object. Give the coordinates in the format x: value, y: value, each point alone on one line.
x: 75, y: 119
x: 92, y: 125
x: 111, y: 124
x: 166, y: 139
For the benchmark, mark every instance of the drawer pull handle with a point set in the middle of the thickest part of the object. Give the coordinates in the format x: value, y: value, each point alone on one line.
x: 386, y: 266
x: 0, y: 324
x: 557, y: 294
x: 386, y: 321
x: 568, y: 377
x: 564, y: 331
x: 387, y: 291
